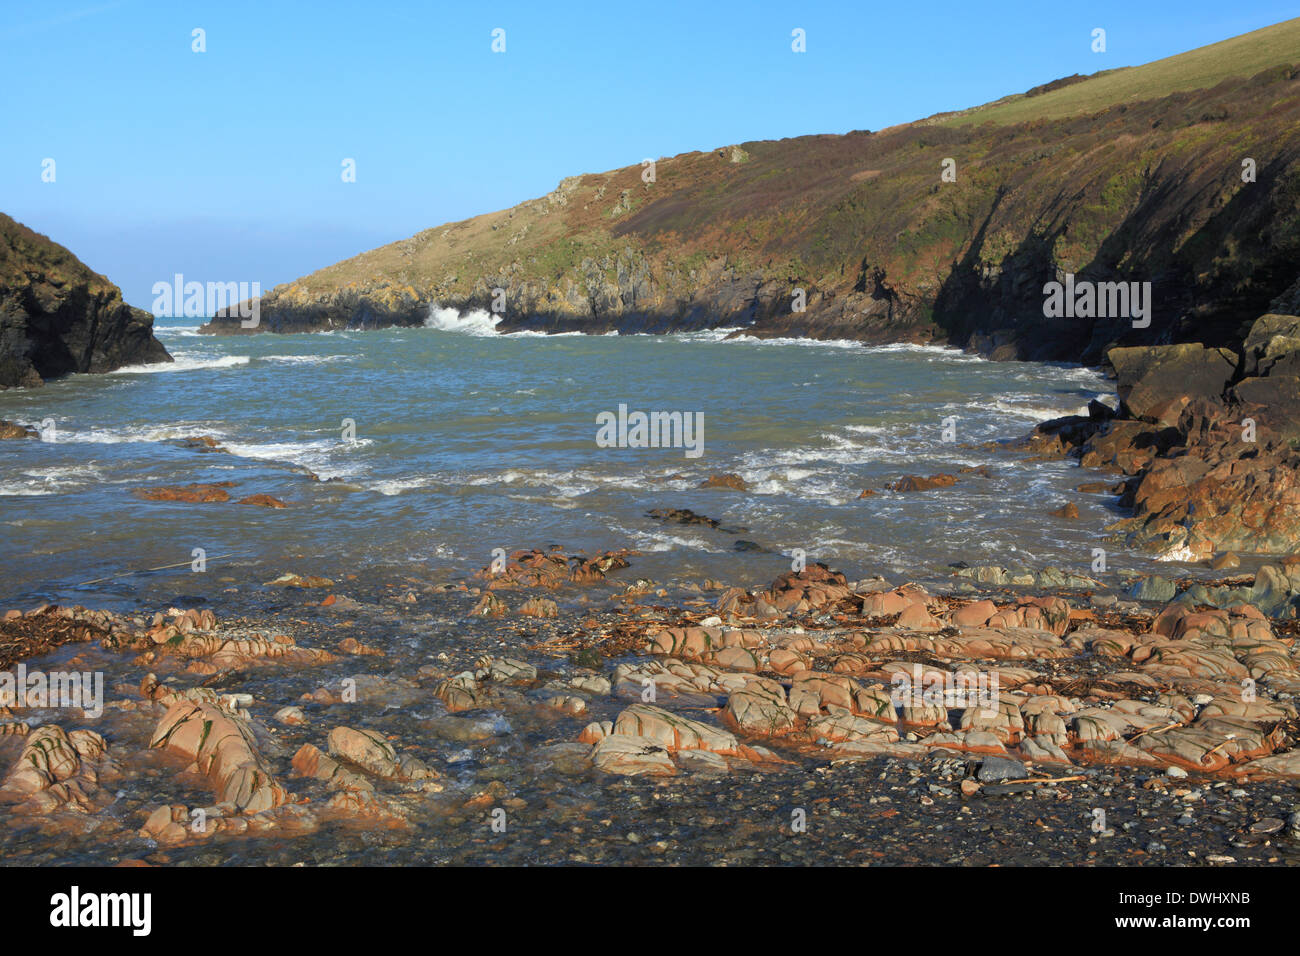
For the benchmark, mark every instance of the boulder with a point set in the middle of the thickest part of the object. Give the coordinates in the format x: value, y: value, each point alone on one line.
x: 9, y: 430
x: 1154, y: 588
x: 995, y: 769
x: 368, y: 750
x: 264, y: 501
x: 1274, y: 401
x: 56, y: 769
x: 539, y: 607
x: 920, y: 483
x: 759, y: 708
x: 632, y: 756
x: 1156, y: 382
x: 672, y: 731
x: 190, y: 494
x: 727, y: 480
x: 461, y: 692
x: 1273, y: 337
x: 975, y: 614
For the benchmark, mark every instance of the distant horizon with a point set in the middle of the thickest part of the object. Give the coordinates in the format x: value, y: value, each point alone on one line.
x: 225, y: 165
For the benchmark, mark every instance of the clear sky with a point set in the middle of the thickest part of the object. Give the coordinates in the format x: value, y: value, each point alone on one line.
x: 226, y: 165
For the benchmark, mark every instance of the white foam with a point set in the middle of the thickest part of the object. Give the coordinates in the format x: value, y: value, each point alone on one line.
x: 533, y: 334
x: 663, y: 540
x: 303, y: 359
x: 52, y: 480
x: 26, y: 488
x: 935, y: 351
x: 317, y: 456
x: 183, y: 363
x: 71, y: 472
x: 396, y: 486
x: 705, y: 335
x: 568, y: 484
x: 803, y: 343
x: 1022, y: 406
x: 135, y: 433
x: 1040, y: 413
x: 477, y: 322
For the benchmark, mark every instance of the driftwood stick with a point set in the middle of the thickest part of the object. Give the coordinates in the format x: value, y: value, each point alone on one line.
x: 1156, y: 730
x: 165, y: 567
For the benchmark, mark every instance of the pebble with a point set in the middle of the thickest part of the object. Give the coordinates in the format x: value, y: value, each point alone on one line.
x: 1267, y: 825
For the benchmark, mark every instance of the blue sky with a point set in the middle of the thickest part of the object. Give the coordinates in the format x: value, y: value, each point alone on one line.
x: 225, y: 165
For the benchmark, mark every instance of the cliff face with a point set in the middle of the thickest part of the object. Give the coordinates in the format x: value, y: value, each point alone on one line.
x: 1135, y: 189
x: 57, y: 316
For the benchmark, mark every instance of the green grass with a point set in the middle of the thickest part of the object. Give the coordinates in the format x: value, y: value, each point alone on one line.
x: 1239, y: 57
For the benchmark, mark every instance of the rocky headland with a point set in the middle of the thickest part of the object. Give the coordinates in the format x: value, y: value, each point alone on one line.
x: 57, y: 316
x: 1181, y: 173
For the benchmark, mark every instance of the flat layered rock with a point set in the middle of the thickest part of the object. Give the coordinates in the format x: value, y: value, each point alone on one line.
x: 673, y: 731
x: 632, y: 756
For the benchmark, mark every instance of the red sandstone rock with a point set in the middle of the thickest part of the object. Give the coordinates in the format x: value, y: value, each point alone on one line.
x: 193, y: 494
x: 918, y: 483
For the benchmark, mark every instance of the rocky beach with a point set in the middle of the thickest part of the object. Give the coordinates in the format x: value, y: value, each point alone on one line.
x: 920, y: 496
x: 563, y: 712
x: 560, y: 707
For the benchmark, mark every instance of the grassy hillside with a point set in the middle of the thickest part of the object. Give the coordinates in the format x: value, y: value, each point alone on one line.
x: 1143, y: 184
x: 1237, y: 58
x: 24, y: 253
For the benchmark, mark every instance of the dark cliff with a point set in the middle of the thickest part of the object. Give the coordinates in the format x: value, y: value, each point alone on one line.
x: 57, y: 316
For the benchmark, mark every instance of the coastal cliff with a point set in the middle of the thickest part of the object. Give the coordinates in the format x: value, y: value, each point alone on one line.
x: 57, y: 316
x: 1174, y: 173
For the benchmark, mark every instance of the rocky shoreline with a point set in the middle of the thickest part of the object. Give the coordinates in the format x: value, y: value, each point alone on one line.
x: 596, y: 717
x: 554, y: 708
x: 1205, y: 441
x: 600, y: 718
